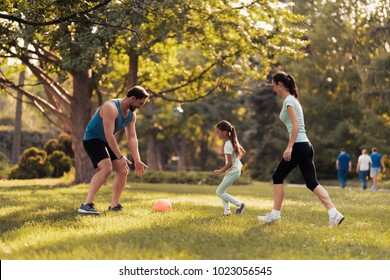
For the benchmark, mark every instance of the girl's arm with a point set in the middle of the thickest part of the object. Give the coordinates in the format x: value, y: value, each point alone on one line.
x: 228, y: 164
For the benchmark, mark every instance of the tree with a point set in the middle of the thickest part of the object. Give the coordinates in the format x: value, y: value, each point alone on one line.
x: 18, y: 123
x: 344, y: 80
x: 70, y: 51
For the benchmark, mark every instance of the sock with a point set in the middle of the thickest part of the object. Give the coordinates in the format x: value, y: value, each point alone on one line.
x: 275, y: 213
x: 332, y: 212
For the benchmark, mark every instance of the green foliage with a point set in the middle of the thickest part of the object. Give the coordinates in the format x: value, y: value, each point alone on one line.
x: 50, y: 146
x: 194, y: 230
x: 343, y: 90
x: 65, y: 144
x: 32, y: 164
x: 59, y: 164
x: 52, y: 161
x: 62, y: 143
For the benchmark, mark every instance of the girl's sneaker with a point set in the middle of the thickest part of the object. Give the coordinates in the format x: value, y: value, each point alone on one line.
x: 227, y: 213
x: 240, y: 209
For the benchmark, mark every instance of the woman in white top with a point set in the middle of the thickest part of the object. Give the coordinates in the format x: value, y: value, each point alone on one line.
x: 233, y: 153
x: 363, y: 167
x: 299, y: 152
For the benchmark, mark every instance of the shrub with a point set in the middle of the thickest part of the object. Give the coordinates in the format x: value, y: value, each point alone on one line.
x: 50, y: 146
x: 59, y: 163
x: 32, y: 164
x: 65, y: 144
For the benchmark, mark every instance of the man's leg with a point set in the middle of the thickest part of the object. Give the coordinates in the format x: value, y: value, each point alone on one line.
x: 105, y: 169
x: 119, y: 182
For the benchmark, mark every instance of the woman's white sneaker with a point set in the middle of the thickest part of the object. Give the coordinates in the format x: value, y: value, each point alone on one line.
x: 268, y: 218
x: 336, y: 219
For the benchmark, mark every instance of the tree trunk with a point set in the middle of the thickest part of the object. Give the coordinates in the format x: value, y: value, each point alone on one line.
x: 153, y: 153
x: 18, y: 123
x: 182, y: 149
x: 81, y: 114
x: 204, y: 151
x: 132, y: 78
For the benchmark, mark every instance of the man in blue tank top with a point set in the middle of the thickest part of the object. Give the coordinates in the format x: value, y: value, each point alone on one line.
x: 102, y: 147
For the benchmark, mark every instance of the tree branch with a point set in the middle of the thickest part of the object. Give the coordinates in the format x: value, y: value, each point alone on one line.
x: 52, y: 22
x: 162, y: 95
x: 39, y: 102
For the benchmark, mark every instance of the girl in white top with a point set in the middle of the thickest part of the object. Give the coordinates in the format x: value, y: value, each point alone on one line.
x: 363, y: 167
x: 233, y: 153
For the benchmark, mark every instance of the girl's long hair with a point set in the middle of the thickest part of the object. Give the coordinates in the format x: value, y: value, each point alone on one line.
x: 226, y: 126
x: 288, y: 81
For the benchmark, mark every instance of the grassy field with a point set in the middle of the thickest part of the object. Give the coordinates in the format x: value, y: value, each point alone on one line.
x: 39, y: 221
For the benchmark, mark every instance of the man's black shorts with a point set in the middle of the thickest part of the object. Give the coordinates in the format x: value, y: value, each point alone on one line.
x: 98, y: 150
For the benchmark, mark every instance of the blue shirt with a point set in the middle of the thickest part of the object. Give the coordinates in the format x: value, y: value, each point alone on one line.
x: 344, y: 160
x: 95, y: 129
x: 292, y: 101
x: 376, y: 160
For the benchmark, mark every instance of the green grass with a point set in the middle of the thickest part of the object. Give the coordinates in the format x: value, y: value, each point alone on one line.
x: 39, y: 221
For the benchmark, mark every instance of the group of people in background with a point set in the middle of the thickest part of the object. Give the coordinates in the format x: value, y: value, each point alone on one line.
x: 367, y: 166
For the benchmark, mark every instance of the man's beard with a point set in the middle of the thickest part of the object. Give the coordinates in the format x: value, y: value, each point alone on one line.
x: 132, y: 108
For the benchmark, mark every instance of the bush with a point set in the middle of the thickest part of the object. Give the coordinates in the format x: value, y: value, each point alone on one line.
x: 65, y: 144
x: 59, y: 163
x: 50, y: 146
x: 32, y: 164
x: 53, y: 161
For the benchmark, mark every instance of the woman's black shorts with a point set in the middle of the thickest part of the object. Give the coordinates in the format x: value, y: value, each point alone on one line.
x: 302, y: 155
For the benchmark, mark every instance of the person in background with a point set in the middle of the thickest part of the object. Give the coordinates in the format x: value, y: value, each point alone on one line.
x: 102, y: 147
x: 343, y: 166
x: 363, y: 167
x: 299, y: 151
x: 377, y: 164
x: 233, y: 153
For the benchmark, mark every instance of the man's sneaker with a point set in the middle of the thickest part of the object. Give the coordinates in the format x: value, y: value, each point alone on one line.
x: 88, y: 208
x: 336, y: 220
x: 374, y: 188
x: 240, y: 209
x: 227, y: 213
x: 116, y: 208
x: 268, y: 219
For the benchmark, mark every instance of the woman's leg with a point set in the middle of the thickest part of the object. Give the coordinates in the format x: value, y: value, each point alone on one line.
x: 278, y: 196
x: 323, y: 196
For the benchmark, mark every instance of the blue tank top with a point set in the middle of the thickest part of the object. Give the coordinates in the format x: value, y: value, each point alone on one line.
x: 95, y: 129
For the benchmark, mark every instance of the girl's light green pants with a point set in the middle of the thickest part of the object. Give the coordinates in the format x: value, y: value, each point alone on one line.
x: 227, y: 181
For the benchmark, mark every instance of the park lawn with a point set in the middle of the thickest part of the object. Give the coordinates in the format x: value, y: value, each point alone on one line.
x: 39, y: 221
